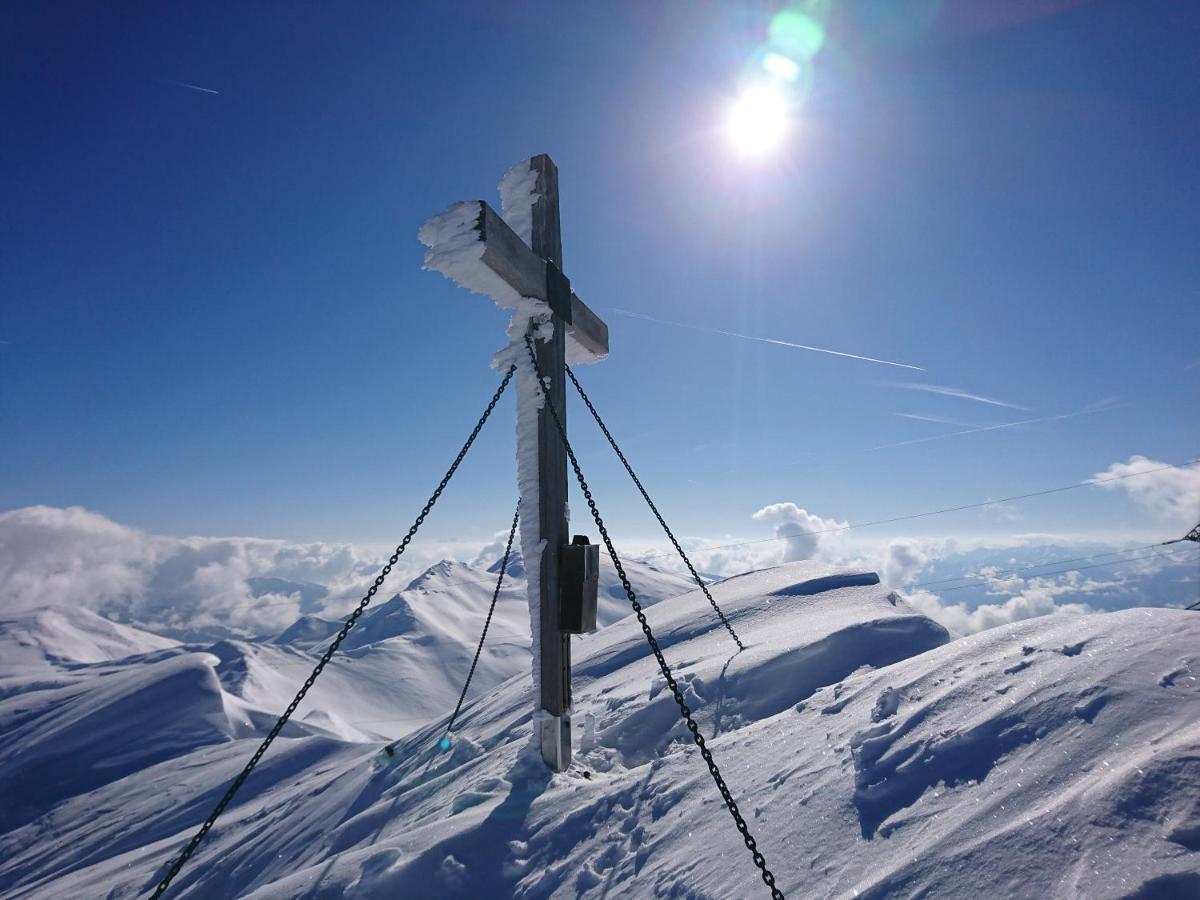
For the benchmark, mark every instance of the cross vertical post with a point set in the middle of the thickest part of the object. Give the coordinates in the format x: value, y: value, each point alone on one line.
x: 516, y: 259
x: 555, y: 649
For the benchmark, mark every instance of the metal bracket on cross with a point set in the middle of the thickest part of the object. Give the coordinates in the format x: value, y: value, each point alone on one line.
x: 516, y: 259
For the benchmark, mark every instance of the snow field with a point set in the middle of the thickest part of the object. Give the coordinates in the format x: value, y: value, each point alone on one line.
x: 870, y: 754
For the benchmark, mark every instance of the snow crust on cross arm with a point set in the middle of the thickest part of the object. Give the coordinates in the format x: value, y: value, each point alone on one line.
x: 456, y: 251
x: 518, y: 194
x: 579, y: 355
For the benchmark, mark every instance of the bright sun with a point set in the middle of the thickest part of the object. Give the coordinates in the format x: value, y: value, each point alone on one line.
x: 758, y: 120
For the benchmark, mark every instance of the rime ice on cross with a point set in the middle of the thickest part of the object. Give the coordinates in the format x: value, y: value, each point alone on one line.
x: 517, y: 261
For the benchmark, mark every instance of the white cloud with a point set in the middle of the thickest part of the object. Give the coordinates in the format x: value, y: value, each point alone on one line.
x: 1026, y: 597
x: 730, y: 561
x: 728, y: 555
x: 70, y: 556
x: 493, y: 550
x: 708, y: 555
x: 803, y: 534
x: 1173, y: 494
x: 958, y: 618
x: 903, y: 560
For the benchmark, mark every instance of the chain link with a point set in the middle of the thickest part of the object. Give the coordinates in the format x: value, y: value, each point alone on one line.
x: 337, y: 642
x: 496, y: 596
x: 654, y: 509
x: 759, y: 860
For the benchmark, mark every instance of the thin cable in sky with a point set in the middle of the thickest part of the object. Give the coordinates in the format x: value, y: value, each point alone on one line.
x: 1006, y: 573
x: 1116, y: 562
x: 949, y: 509
x: 192, y: 87
x: 761, y: 340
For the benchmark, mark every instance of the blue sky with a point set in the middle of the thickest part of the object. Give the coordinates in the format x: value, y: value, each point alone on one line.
x: 215, y: 320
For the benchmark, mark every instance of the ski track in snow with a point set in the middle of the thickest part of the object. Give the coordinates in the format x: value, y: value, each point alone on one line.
x: 871, y: 755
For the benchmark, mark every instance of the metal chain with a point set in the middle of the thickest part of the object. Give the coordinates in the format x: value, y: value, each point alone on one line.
x: 487, y: 622
x: 654, y: 509
x: 337, y: 642
x: 726, y: 795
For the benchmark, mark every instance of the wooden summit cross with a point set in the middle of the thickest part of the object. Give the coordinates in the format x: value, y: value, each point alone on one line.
x: 478, y: 249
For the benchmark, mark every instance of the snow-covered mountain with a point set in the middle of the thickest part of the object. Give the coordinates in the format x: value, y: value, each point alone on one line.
x: 42, y: 639
x: 424, y: 637
x: 870, y: 753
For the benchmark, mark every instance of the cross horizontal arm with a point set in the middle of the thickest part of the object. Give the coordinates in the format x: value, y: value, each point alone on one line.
x: 526, y: 273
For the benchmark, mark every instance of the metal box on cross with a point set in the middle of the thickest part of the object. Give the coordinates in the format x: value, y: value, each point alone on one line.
x: 580, y: 577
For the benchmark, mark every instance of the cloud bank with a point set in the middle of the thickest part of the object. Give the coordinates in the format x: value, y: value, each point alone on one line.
x: 192, y: 588
x: 1172, y: 494
x: 200, y: 588
x: 1027, y: 598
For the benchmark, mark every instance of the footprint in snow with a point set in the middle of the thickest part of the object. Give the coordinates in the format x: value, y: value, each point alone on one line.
x: 1087, y: 709
x: 886, y: 705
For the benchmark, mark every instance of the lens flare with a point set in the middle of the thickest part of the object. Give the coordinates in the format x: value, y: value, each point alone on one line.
x: 758, y: 120
x: 798, y: 33
x: 781, y: 67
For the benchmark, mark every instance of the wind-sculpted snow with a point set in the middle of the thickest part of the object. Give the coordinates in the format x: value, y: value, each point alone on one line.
x: 799, y: 637
x: 870, y: 755
x: 67, y: 741
x: 62, y: 635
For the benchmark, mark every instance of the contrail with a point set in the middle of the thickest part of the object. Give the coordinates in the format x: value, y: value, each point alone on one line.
x: 192, y: 87
x: 958, y: 392
x: 1103, y: 406
x: 762, y: 340
x: 937, y: 437
x: 938, y: 420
